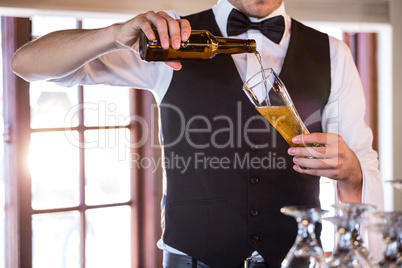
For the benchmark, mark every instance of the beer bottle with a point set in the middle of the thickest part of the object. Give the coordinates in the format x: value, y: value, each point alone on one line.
x: 201, y: 45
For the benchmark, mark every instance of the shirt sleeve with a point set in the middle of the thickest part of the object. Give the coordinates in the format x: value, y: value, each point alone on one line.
x: 123, y: 68
x: 344, y: 115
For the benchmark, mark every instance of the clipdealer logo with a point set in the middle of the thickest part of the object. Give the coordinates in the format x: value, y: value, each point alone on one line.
x: 236, y: 132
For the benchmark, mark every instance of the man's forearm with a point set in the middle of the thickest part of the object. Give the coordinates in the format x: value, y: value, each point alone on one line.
x: 350, y: 190
x: 58, y: 54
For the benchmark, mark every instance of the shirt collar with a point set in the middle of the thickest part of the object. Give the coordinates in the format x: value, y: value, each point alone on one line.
x: 223, y: 8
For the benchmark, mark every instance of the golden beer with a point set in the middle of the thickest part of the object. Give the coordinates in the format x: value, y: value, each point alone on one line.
x: 285, y: 120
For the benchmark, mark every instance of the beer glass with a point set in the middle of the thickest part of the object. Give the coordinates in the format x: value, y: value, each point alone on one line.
x: 305, y: 252
x: 350, y: 250
x: 270, y: 97
x: 391, y: 231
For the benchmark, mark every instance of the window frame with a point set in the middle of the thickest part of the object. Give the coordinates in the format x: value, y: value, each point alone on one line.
x: 17, y: 181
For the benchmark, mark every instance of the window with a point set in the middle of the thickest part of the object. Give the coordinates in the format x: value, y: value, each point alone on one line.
x: 80, y: 202
x: 79, y: 163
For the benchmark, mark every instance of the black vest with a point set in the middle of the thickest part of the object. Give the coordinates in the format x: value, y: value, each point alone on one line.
x: 226, y: 203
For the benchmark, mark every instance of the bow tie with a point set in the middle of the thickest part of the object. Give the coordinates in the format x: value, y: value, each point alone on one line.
x: 272, y: 28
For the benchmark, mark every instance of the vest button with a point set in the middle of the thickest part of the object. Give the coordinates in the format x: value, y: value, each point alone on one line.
x: 254, y: 212
x: 254, y: 180
x: 254, y: 239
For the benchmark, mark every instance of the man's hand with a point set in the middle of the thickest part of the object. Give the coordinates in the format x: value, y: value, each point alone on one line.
x: 167, y: 27
x: 335, y: 160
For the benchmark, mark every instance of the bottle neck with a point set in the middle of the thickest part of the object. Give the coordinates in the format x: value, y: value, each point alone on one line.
x: 234, y: 46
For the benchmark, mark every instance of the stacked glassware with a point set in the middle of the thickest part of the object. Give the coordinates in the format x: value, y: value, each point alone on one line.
x: 350, y: 250
x: 305, y: 252
x: 391, y: 231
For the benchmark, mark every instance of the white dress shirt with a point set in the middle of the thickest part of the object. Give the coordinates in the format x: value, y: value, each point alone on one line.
x: 343, y: 114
